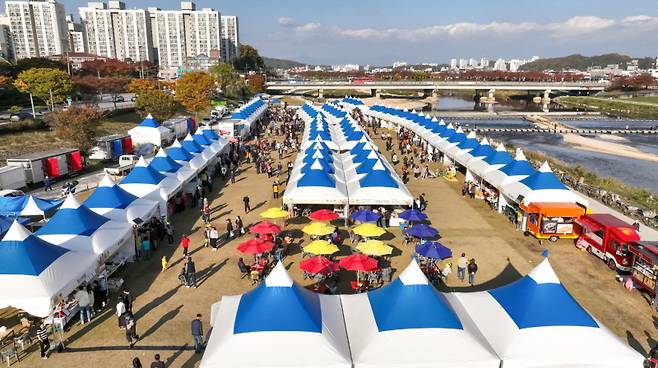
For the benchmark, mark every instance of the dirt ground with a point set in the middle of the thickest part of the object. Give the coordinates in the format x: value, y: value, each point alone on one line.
x: 164, y: 309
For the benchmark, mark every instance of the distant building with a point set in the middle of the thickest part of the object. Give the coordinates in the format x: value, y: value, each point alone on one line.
x: 500, y: 65
x: 400, y: 64
x: 77, y: 37
x: 184, y: 34
x: 472, y: 63
x: 463, y: 64
x: 515, y: 64
x: 202, y: 62
x: 76, y: 58
x: 38, y: 28
x: 116, y: 32
x: 453, y: 64
x: 153, y: 12
x: 6, y: 43
x: 484, y: 63
x: 230, y: 27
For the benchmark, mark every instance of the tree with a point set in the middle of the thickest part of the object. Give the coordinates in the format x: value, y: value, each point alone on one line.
x: 109, y: 67
x: 45, y: 83
x: 138, y: 86
x: 158, y: 103
x: 249, y: 59
x: 194, y: 90
x: 224, y: 73
x: 4, y: 80
x: 38, y: 62
x: 77, y: 125
x: 256, y: 83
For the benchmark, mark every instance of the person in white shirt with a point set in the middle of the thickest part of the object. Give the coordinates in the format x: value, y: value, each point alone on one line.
x: 82, y: 297
x: 121, y: 311
x: 461, y: 267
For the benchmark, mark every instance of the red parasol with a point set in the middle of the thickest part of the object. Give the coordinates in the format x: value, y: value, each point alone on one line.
x: 233, y: 140
x: 358, y: 262
x: 318, y: 264
x: 255, y: 246
x: 324, y: 215
x: 265, y: 227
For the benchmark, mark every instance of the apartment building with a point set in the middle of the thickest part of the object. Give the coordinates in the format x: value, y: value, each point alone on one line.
x: 38, y: 28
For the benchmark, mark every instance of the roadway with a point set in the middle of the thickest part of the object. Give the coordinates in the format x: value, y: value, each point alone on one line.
x: 440, y: 85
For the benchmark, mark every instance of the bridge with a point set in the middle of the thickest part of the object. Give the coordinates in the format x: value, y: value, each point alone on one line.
x: 431, y: 88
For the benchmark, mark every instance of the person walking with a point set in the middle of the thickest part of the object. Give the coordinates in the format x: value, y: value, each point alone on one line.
x: 472, y: 269
x: 82, y: 297
x: 185, y: 243
x: 205, y: 211
x: 275, y: 190
x: 157, y: 363
x: 127, y: 300
x: 131, y: 330
x: 239, y: 226
x: 213, y: 235
x: 146, y: 247
x: 169, y: 229
x: 164, y: 263
x: 247, y: 206
x: 461, y: 267
x: 197, y: 333
x: 121, y: 311
x: 190, y: 273
x: 229, y: 229
x: 47, y: 183
x: 42, y: 336
x: 137, y: 363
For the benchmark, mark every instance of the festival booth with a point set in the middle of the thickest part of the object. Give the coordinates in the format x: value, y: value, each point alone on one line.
x: 27, y: 205
x: 515, y: 171
x: 315, y: 186
x: 169, y: 167
x: 218, y: 143
x: 408, y: 323
x: 468, y: 159
x: 78, y: 228
x: 608, y: 238
x: 278, y: 324
x: 249, y: 113
x: 549, y: 209
x: 380, y: 186
x: 6, y: 222
x: 34, y: 273
x: 145, y: 182
x: 350, y: 104
x: 149, y: 131
x: 111, y: 201
x: 644, y: 269
x: 458, y: 142
x: 535, y: 322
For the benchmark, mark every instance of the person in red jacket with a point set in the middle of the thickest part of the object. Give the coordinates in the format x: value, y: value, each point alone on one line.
x: 185, y: 243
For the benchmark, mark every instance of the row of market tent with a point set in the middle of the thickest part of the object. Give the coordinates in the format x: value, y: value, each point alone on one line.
x: 338, y: 164
x: 532, y: 322
x: 79, y: 240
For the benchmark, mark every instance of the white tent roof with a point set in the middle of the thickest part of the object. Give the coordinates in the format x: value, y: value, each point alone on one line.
x: 515, y: 171
x: 114, y: 208
x: 534, y: 322
x: 542, y: 186
x: 278, y: 324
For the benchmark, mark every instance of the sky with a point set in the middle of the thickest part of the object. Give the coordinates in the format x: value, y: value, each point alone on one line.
x: 379, y: 32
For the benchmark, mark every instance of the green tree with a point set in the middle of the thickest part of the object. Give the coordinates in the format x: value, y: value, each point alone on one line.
x: 38, y: 62
x: 194, y: 90
x: 158, y: 103
x: 249, y: 59
x: 46, y: 84
x: 225, y: 74
x: 77, y: 125
x: 140, y: 85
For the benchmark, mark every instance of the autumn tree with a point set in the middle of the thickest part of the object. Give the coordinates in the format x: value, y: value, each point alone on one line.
x: 138, y: 86
x: 194, y: 90
x: 45, y: 83
x: 224, y: 73
x: 249, y: 59
x: 77, y: 125
x: 158, y: 103
x: 256, y: 83
x: 113, y: 86
x: 108, y: 67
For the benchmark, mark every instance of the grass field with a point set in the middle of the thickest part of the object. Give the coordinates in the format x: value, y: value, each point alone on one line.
x: 635, y: 108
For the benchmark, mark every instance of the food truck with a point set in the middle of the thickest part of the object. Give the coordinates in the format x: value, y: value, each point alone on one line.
x: 608, y: 238
x: 644, y: 269
x: 552, y: 220
x: 54, y: 163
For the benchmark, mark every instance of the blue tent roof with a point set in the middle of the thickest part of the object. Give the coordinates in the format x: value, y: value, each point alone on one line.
x: 278, y: 307
x: 29, y: 256
x: 518, y: 167
x: 149, y: 122
x: 498, y: 158
x: 201, y: 139
x: 468, y: 143
x: 411, y: 305
x: 316, y: 178
x: 210, y: 134
x: 191, y: 146
x: 75, y: 221
x: 378, y: 178
x: 5, y: 223
x: 366, y: 165
x: 179, y: 154
x: 165, y: 164
x: 110, y: 196
x: 143, y: 175
x: 541, y: 304
x: 309, y: 165
x: 543, y: 180
x: 457, y: 137
x: 482, y: 150
x: 13, y: 206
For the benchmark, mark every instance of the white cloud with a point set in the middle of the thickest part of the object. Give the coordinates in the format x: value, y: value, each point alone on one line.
x: 286, y: 22
x: 308, y: 27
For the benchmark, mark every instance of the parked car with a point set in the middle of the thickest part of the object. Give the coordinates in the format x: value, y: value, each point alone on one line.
x: 18, y: 116
x: 11, y: 193
x: 126, y: 163
x: 118, y: 99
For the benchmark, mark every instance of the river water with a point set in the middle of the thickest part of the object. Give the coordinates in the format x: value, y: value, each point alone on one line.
x: 635, y: 172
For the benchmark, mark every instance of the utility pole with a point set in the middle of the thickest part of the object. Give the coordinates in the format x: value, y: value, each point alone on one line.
x: 52, y: 102
x: 34, y: 114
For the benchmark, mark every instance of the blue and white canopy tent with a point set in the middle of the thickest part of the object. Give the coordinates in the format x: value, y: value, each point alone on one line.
x: 542, y: 186
x: 5, y: 223
x: 145, y: 182
x: 380, y: 185
x: 164, y: 164
x: 478, y: 153
x: 278, y: 324
x: 78, y: 228
x: 516, y: 170
x: 492, y: 162
x: 149, y: 131
x: 466, y: 144
x: 111, y: 201
x: 33, y: 272
x: 314, y: 185
x: 535, y: 322
x: 27, y: 205
x: 408, y: 323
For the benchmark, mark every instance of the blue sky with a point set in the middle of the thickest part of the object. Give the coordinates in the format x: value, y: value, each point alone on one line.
x: 379, y: 32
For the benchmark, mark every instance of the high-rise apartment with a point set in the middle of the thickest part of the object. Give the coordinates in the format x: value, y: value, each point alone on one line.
x: 38, y: 28
x: 230, y: 38
x: 187, y: 33
x: 77, y: 37
x: 116, y: 32
x: 6, y: 43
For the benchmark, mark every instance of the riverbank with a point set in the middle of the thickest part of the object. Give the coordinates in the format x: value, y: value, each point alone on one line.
x: 621, y: 107
x: 611, y: 148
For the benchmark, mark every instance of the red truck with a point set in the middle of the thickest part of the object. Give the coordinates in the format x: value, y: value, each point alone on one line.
x: 608, y: 238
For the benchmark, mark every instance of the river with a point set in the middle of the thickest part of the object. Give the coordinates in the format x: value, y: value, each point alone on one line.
x: 638, y: 173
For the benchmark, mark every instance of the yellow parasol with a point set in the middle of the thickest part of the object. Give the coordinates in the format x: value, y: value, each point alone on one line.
x: 369, y: 230
x: 274, y: 213
x: 321, y: 247
x: 318, y: 229
x: 374, y: 248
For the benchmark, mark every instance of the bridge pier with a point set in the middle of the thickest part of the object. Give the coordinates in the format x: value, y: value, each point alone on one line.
x: 434, y: 100
x: 320, y: 93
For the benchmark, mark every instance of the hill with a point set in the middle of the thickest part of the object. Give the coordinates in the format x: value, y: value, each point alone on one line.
x: 272, y: 63
x: 581, y: 62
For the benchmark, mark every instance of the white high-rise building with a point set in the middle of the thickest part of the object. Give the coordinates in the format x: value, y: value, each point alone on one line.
x: 187, y: 33
x: 153, y: 11
x: 116, y: 32
x: 463, y: 64
x: 38, y: 28
x: 77, y: 38
x: 500, y: 65
x: 453, y: 64
x: 230, y: 37
x: 484, y: 63
x: 472, y: 63
x: 6, y: 44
